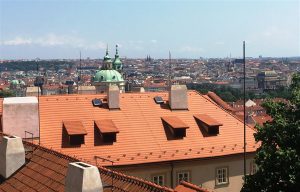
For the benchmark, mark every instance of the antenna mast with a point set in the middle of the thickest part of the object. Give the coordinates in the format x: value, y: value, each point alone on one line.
x: 79, y: 77
x: 170, y: 70
x: 80, y: 66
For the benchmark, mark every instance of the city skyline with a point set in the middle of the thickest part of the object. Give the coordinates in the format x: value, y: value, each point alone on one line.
x: 59, y: 30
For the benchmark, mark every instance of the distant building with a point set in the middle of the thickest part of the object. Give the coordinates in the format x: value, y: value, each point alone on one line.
x: 267, y: 80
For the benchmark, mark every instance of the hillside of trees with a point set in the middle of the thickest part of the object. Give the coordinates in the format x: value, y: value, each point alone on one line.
x: 230, y: 94
x: 32, y: 65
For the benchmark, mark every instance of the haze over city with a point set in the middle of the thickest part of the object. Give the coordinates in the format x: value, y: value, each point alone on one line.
x: 189, y: 29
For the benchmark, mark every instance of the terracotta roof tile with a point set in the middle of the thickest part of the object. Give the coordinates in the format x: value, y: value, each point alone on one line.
x: 74, y: 128
x: 174, y: 122
x: 209, y: 121
x: 106, y: 126
x: 141, y: 128
x: 46, y: 170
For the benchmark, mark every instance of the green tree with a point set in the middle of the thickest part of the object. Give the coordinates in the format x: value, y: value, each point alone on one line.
x: 278, y: 157
x: 6, y: 93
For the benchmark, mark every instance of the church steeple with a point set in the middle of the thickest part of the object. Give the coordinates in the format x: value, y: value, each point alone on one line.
x: 117, y: 64
x: 107, y: 62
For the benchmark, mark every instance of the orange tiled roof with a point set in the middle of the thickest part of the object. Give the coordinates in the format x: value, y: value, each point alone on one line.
x: 174, y: 122
x: 74, y: 128
x: 142, y: 138
x: 189, y: 187
x: 207, y: 120
x: 261, y: 119
x: 215, y: 98
x: 106, y: 126
x: 46, y: 170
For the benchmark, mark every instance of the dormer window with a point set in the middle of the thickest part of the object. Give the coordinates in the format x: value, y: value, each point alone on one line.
x: 75, y: 132
x: 210, y: 125
x: 107, y: 130
x: 176, y: 126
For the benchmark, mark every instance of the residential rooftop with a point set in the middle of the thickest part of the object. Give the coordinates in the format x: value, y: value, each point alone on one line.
x: 142, y: 135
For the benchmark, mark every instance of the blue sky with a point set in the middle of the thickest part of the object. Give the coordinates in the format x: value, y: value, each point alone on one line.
x: 53, y: 29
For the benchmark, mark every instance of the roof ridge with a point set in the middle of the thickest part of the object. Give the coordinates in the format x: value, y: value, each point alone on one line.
x: 193, y: 186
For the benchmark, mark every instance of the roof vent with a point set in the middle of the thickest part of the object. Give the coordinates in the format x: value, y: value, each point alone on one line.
x: 158, y: 100
x: 12, y: 155
x: 113, y: 97
x: 178, y: 97
x: 82, y: 177
x: 97, y: 102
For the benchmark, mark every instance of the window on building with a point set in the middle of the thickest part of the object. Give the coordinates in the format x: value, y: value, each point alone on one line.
x: 158, y: 179
x: 183, y: 176
x: 253, y: 167
x: 222, y: 176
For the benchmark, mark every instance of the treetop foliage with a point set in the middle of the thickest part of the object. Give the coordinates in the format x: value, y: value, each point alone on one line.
x: 278, y: 157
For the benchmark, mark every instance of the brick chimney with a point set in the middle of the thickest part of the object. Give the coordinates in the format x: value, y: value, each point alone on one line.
x: 178, y: 97
x: 12, y: 155
x: 113, y: 96
x: 82, y: 177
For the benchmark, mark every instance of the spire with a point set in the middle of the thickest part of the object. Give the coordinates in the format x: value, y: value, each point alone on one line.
x: 107, y: 63
x: 117, y: 64
x: 106, y: 49
x: 117, y: 52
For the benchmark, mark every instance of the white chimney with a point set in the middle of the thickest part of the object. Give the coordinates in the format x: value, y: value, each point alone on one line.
x: 178, y: 97
x: 12, y: 155
x: 20, y: 114
x: 82, y: 177
x: 113, y: 95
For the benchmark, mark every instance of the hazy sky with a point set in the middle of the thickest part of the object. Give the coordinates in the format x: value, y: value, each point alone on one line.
x: 189, y: 29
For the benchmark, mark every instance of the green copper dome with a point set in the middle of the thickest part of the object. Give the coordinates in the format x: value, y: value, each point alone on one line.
x: 15, y: 82
x: 107, y: 76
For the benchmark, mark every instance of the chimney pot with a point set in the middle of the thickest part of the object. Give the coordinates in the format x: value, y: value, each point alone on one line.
x: 12, y: 155
x: 82, y: 177
x: 113, y: 97
x: 178, y: 97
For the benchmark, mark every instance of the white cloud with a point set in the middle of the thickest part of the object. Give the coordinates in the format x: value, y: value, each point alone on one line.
x: 219, y: 43
x: 191, y: 49
x: 54, y: 40
x: 153, y: 41
x: 17, y: 41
